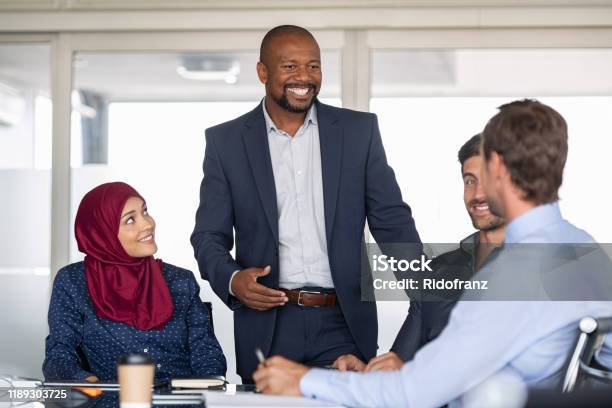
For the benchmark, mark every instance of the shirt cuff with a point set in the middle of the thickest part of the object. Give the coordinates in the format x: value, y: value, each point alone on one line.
x: 314, y: 381
x: 230, y: 282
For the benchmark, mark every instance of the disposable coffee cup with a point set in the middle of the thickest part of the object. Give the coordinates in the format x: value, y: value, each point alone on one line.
x: 136, y: 373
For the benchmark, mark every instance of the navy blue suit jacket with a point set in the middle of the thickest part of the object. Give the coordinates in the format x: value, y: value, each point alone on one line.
x: 238, y: 193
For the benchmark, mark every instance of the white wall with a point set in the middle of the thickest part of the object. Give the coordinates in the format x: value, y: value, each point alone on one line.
x: 24, y: 302
x: 25, y: 218
x: 422, y: 136
x: 17, y: 141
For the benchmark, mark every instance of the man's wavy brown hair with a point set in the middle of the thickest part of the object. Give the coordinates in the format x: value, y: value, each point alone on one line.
x: 531, y: 138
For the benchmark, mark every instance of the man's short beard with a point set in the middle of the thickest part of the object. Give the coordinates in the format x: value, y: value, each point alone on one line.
x: 495, y: 208
x: 283, y: 102
x: 495, y: 223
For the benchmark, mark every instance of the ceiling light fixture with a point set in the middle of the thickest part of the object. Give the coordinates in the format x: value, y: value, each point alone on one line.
x: 209, y: 68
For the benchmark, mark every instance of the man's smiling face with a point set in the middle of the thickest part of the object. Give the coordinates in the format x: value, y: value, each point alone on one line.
x: 292, y: 72
x: 474, y: 197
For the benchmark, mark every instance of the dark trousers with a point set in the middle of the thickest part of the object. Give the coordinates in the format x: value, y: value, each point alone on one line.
x: 314, y: 336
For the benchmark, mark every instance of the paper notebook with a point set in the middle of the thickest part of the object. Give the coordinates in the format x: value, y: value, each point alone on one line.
x: 198, y: 383
x: 222, y: 400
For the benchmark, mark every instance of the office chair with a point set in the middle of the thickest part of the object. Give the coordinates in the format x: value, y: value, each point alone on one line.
x: 581, y: 364
x: 208, y: 306
x: 84, y: 363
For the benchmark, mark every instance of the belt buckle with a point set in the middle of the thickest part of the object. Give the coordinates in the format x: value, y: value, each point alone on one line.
x: 299, y: 299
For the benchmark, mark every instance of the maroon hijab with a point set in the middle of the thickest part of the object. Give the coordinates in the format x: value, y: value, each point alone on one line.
x: 122, y: 288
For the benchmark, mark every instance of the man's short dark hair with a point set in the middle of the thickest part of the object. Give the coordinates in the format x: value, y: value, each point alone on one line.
x: 280, y: 31
x: 470, y: 149
x: 531, y: 138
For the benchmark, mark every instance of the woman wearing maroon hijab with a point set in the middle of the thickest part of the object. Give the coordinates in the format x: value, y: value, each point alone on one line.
x: 122, y: 300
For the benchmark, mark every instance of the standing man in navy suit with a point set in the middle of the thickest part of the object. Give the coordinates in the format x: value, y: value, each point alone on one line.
x: 296, y: 180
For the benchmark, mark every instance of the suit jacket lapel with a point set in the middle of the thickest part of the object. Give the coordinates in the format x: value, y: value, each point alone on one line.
x: 255, y: 138
x: 331, y: 139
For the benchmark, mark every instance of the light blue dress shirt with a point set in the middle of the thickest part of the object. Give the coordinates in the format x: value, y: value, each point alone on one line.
x: 298, y: 178
x: 526, y: 340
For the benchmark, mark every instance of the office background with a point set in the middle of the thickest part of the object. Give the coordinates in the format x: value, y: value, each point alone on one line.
x: 100, y: 90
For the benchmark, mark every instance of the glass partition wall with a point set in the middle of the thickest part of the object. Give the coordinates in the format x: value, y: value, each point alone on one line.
x: 431, y: 101
x: 25, y: 215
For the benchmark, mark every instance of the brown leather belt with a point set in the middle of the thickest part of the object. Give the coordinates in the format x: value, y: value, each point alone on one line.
x: 311, y: 298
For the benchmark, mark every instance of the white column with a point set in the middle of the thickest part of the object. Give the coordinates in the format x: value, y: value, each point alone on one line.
x: 61, y: 87
x: 356, y: 71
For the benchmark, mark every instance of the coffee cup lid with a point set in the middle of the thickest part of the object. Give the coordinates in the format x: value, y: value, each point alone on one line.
x: 135, y: 359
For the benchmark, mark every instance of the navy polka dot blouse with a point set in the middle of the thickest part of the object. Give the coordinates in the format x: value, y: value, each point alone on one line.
x: 185, y: 347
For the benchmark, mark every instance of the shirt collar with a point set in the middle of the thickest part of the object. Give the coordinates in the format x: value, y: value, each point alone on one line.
x: 468, y: 244
x: 533, y: 220
x: 311, y: 117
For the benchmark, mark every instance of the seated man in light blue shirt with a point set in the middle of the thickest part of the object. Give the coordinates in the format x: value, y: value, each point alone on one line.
x: 524, y: 149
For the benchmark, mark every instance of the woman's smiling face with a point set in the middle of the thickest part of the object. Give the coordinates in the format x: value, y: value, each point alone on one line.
x: 137, y: 229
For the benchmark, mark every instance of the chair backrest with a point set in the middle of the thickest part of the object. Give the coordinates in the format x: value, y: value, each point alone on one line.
x: 208, y: 306
x: 84, y: 363
x: 591, y: 333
